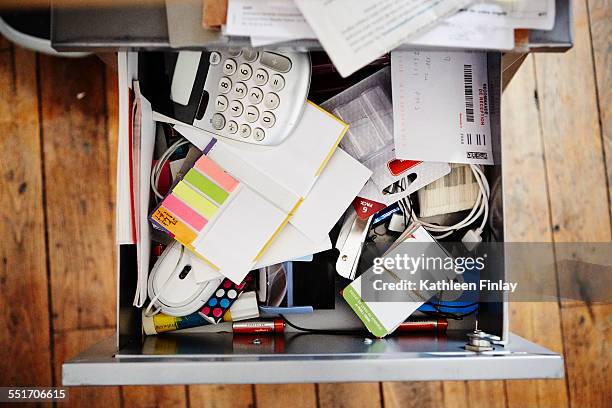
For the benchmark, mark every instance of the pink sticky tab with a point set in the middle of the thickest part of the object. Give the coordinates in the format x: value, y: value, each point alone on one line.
x: 185, y: 212
x: 216, y: 173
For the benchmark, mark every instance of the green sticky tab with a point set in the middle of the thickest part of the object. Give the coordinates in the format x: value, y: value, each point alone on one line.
x: 195, y: 200
x: 362, y: 310
x: 206, y: 186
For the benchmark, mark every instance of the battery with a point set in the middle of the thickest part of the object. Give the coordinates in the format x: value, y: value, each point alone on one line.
x: 259, y: 327
x: 423, y: 325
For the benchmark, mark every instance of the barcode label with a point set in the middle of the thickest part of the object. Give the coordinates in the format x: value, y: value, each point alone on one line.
x: 468, y: 80
x: 477, y: 155
x: 478, y: 139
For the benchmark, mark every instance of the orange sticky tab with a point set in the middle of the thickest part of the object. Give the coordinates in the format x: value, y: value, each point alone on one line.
x: 179, y: 229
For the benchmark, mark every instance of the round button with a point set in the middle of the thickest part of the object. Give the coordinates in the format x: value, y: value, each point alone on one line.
x: 232, y: 127
x: 227, y: 284
x: 268, y: 119
x: 245, y: 130
x: 255, y: 96
x: 217, y: 312
x: 271, y: 101
x: 229, y: 66
x: 245, y: 72
x: 217, y: 121
x: 215, y: 58
x: 225, y: 85
x: 259, y: 134
x: 212, y: 302
x: 232, y: 294
x: 252, y: 114
x: 206, y: 310
x: 234, y: 52
x: 221, y: 103
x: 219, y: 293
x: 236, y: 108
x: 277, y: 82
x: 250, y: 55
x: 240, y: 90
x: 261, y: 77
x: 224, y: 303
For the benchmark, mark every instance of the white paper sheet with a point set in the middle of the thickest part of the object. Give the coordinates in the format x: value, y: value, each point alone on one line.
x: 451, y: 34
x: 142, y: 190
x: 266, y: 18
x: 441, y: 106
x: 355, y: 33
x: 535, y: 14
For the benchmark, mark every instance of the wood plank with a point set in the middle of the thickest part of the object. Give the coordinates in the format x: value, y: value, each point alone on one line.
x: 285, y: 395
x: 67, y: 345
x: 79, y: 216
x: 455, y: 394
x: 416, y: 394
x: 159, y: 396
x: 601, y: 40
x: 527, y: 219
x: 112, y: 131
x: 25, y: 343
x: 348, y: 395
x: 221, y: 396
x: 579, y: 196
x: 588, y: 354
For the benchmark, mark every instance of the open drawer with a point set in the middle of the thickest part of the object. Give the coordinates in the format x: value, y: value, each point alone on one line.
x: 191, y: 358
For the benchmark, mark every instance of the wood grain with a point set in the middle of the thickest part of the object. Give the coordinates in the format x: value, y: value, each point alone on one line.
x: 349, y: 395
x: 150, y: 397
x: 527, y: 219
x: 601, y: 40
x: 221, y: 396
x: 25, y: 340
x: 79, y: 216
x: 412, y: 394
x: 579, y: 197
x: 286, y: 395
x: 67, y: 345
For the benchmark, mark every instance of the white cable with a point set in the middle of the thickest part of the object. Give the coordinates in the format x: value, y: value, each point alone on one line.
x: 156, y: 171
x: 480, y: 208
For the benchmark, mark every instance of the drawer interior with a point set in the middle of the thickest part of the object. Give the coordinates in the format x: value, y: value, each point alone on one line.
x: 492, y: 317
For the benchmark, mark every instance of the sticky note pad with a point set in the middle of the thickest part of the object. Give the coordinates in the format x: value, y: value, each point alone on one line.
x: 206, y: 186
x: 175, y: 226
x: 196, y: 201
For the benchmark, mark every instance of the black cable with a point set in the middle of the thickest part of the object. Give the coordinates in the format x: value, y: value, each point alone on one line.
x: 319, y: 331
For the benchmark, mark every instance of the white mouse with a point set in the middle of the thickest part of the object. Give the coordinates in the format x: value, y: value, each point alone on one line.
x: 180, y: 282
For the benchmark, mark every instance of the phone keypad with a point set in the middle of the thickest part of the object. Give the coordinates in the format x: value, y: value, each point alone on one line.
x: 248, y: 92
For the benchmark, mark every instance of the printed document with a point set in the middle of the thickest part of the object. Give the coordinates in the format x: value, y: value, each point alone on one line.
x: 267, y: 19
x: 355, y: 33
x: 535, y: 14
x: 441, y: 106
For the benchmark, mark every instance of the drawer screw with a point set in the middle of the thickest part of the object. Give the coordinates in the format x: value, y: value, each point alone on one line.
x: 479, y: 341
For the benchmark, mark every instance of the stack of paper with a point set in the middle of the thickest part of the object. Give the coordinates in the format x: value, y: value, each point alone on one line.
x: 356, y: 33
x: 282, y: 203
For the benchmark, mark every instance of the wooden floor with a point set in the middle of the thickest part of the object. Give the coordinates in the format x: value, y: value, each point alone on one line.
x: 58, y: 121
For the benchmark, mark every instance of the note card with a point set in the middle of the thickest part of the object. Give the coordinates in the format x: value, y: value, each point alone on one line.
x: 225, y: 222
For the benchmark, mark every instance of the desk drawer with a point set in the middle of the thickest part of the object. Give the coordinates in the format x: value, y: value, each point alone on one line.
x: 185, y: 358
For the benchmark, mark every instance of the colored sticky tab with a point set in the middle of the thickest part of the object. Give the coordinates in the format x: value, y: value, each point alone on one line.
x: 181, y: 231
x: 206, y: 186
x: 216, y: 173
x: 185, y: 212
x: 195, y: 200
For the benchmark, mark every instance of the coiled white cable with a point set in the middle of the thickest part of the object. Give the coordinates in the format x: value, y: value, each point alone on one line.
x: 480, y: 208
x: 156, y: 171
